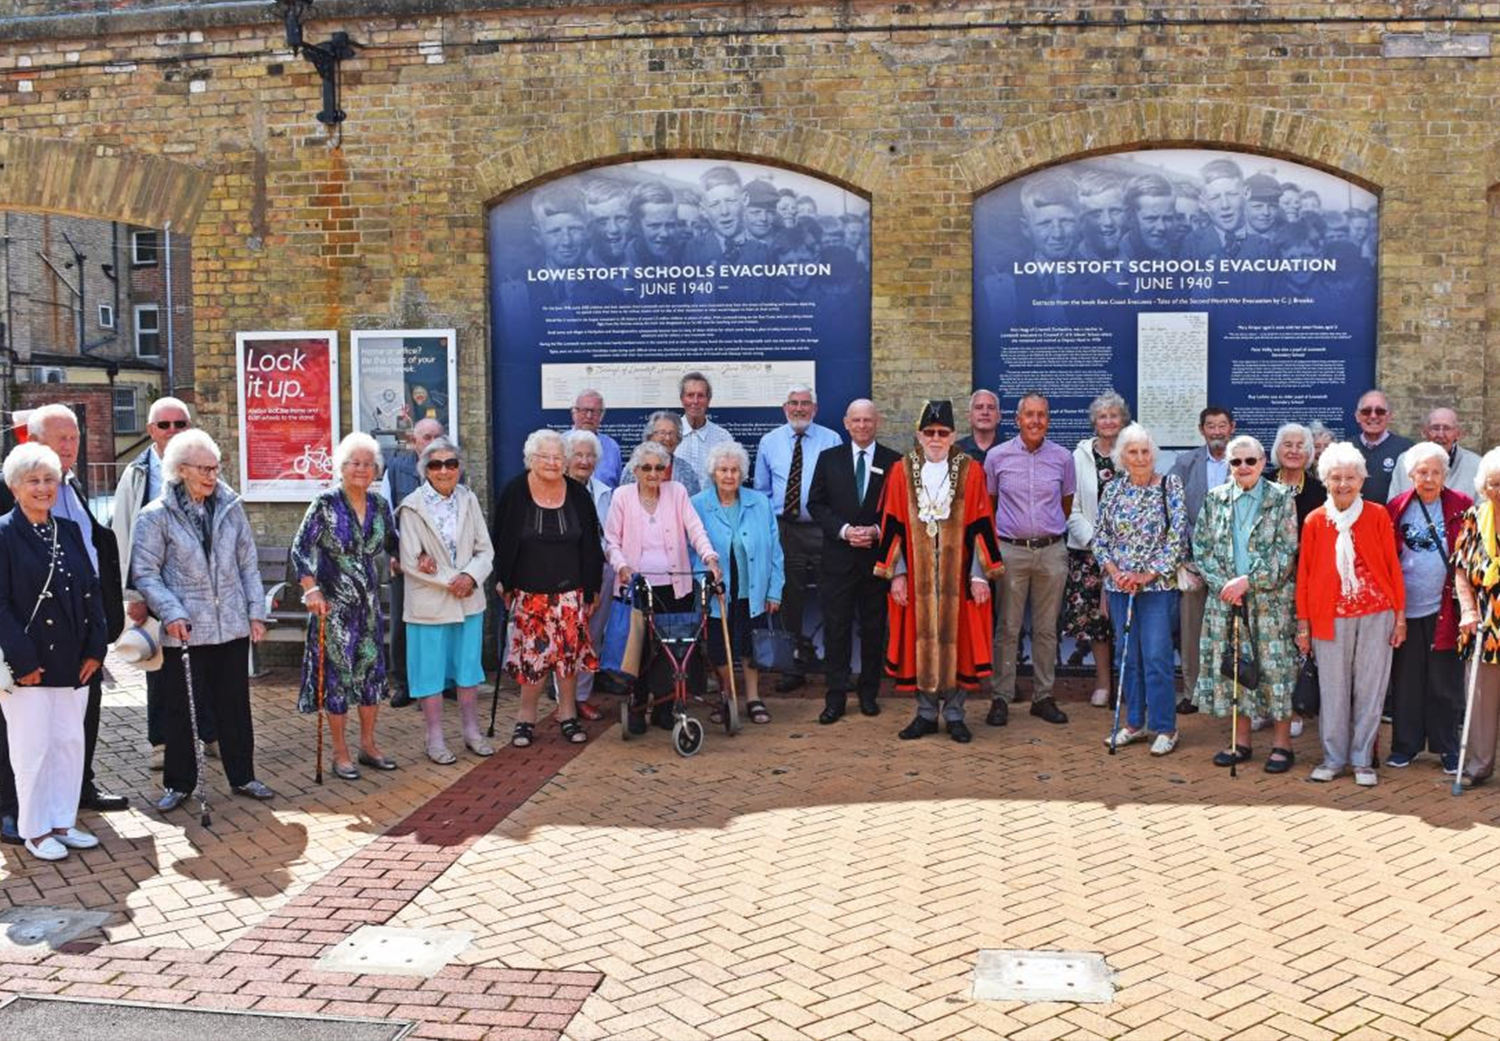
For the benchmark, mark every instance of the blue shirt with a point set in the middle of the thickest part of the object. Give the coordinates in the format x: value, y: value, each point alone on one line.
x: 69, y: 506
x: 1424, y: 559
x: 773, y: 461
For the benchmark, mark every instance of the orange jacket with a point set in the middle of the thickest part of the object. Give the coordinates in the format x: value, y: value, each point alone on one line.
x: 1318, y: 575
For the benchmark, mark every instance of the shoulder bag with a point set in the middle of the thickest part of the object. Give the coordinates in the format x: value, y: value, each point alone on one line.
x: 1247, y: 672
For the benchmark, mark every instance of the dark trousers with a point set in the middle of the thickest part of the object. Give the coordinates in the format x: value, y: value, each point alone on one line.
x: 802, y: 550
x: 208, y: 729
x: 397, y: 670
x: 220, y: 681
x: 847, y: 596
x: 657, y: 675
x: 1426, y: 693
x: 9, y: 804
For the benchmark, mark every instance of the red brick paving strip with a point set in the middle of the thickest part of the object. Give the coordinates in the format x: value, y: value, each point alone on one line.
x: 271, y: 969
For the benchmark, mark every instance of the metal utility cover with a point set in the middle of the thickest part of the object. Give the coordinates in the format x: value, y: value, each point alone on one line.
x: 390, y: 951
x: 48, y: 1016
x: 1042, y: 976
x: 44, y: 929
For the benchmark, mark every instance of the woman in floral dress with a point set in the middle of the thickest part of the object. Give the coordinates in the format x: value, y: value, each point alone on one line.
x: 344, y: 531
x: 1083, y: 617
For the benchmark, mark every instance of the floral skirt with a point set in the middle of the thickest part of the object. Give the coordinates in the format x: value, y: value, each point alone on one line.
x: 1081, y: 617
x: 549, y: 635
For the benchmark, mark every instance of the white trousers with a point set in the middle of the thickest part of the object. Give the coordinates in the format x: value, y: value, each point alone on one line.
x: 45, y: 726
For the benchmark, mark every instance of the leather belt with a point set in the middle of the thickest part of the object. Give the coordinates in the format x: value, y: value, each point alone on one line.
x: 1045, y: 540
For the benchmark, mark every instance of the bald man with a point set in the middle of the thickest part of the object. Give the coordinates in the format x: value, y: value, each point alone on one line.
x: 844, y: 500
x: 1442, y: 428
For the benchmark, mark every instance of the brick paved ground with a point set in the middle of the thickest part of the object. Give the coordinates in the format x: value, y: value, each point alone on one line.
x: 800, y: 881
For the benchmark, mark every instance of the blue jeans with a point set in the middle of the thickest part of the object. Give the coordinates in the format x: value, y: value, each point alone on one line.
x: 1150, y: 687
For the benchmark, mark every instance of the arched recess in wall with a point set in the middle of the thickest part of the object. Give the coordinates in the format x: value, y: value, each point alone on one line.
x: 701, y: 242
x: 48, y: 176
x: 1219, y: 268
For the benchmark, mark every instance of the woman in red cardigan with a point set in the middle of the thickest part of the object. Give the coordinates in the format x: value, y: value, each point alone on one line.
x: 1351, y: 610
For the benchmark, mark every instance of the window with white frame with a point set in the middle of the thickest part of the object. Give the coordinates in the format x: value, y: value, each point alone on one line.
x: 147, y: 331
x: 127, y: 416
x: 145, y: 247
x: 106, y: 316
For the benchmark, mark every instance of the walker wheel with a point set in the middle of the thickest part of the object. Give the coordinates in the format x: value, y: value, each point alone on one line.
x: 687, y: 736
x: 625, y: 718
x: 730, y: 709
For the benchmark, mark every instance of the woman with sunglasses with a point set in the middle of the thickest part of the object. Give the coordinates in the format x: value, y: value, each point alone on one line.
x: 446, y: 555
x: 1351, y: 610
x: 1426, y: 677
x: 548, y: 568
x: 647, y: 532
x: 1245, y: 546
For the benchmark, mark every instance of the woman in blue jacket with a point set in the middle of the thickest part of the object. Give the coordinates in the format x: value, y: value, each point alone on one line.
x: 742, y: 528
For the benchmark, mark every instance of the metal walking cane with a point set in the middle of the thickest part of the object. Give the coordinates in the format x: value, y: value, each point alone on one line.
x: 199, y: 791
x: 1114, y: 730
x: 499, y: 663
x: 322, y: 671
x: 732, y: 716
x: 1463, y: 741
x: 1234, y: 705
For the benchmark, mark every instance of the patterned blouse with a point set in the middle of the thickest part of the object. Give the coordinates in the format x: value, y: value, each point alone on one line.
x: 1133, y: 534
x: 444, y: 510
x: 1470, y: 558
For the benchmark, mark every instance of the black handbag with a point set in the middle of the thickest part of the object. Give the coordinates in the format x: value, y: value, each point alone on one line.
x: 1307, y: 699
x: 1247, y: 672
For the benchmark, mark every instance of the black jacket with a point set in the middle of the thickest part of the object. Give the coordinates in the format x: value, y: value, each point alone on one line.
x: 833, y: 500
x: 69, y: 623
x: 512, y: 513
x: 106, y: 548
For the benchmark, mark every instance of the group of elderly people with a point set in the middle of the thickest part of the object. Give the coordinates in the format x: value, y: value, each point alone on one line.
x: 1297, y: 569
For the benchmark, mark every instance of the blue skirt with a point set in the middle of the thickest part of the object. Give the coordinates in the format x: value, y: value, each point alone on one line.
x: 439, y: 656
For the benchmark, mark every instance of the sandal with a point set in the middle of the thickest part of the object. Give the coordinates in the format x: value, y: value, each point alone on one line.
x: 522, y: 736
x: 1280, y: 760
x: 439, y: 754
x: 758, y: 712
x: 1241, y: 754
x: 572, y: 731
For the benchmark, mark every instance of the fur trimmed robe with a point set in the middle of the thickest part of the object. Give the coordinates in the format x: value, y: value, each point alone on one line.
x: 941, y: 639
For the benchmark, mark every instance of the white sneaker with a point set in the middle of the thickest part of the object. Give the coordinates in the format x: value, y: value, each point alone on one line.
x: 1163, y: 744
x: 1125, y: 736
x: 47, y: 849
x: 1100, y: 698
x: 1323, y: 774
x: 1258, y: 723
x: 1365, y: 776
x: 1296, y: 726
x: 76, y: 839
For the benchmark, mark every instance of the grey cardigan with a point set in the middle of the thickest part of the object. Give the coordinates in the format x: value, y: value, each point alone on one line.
x: 217, y: 596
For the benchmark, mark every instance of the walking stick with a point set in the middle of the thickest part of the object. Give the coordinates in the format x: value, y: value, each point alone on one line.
x: 322, y: 670
x: 1234, y: 704
x: 499, y: 663
x: 1463, y: 741
x: 734, y: 695
x: 1120, y: 682
x: 200, y: 792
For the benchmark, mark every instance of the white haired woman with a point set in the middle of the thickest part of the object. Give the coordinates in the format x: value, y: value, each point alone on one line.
x: 1292, y: 455
x: 584, y: 450
x: 193, y: 560
x: 336, y: 554
x: 1245, y: 546
x: 665, y: 428
x: 548, y: 567
x: 647, y: 532
x: 1083, y: 615
x: 1426, y: 679
x: 1351, y: 610
x: 1477, y: 582
x: 52, y: 630
x: 743, y: 531
x: 446, y: 555
x: 1139, y: 539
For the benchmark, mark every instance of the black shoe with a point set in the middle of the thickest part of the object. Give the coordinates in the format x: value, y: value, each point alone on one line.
x: 661, y: 715
x: 1279, y: 761
x: 1185, y: 707
x: 999, y: 713
x: 831, y: 714
x: 610, y: 683
x: 918, y: 727
x: 635, y: 722
x: 102, y: 802
x: 869, y: 706
x: 790, y: 681
x: 1241, y: 754
x: 959, y: 731
x: 8, y: 833
x: 400, y: 699
x: 1047, y: 709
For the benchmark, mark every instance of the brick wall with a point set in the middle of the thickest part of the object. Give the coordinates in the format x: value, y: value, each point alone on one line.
x: 920, y: 105
x: 94, y: 406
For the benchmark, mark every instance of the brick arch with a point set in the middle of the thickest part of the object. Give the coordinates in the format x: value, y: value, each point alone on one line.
x: 45, y: 175
x: 682, y: 132
x: 1189, y: 124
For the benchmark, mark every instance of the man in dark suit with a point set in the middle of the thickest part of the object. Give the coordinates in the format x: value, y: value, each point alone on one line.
x: 845, y: 502
x: 57, y: 427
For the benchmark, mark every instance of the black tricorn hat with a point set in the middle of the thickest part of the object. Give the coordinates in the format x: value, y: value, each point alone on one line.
x: 937, y: 414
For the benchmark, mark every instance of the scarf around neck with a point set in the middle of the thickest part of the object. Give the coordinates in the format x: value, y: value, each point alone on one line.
x: 1343, y: 547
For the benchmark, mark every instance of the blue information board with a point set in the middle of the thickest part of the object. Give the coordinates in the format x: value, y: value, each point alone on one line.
x: 1178, y: 278
x: 622, y: 278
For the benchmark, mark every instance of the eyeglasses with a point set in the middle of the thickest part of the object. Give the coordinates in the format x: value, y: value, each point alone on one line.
x: 172, y: 424
x: 937, y: 432
x: 1374, y: 410
x: 794, y: 403
x: 442, y: 464
x: 588, y: 411
x: 207, y: 469
x: 652, y: 468
x: 1244, y: 462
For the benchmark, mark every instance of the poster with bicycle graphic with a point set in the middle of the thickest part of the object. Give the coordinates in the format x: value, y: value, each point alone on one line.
x: 289, y: 413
